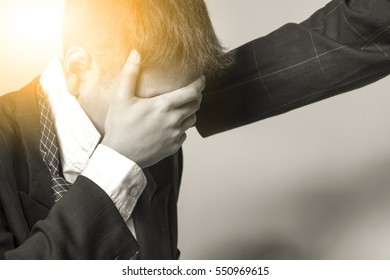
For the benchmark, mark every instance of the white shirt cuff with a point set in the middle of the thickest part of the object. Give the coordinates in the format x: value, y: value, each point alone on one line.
x: 122, y: 179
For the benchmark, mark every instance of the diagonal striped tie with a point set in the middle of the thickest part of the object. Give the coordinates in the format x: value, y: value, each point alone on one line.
x: 49, y: 147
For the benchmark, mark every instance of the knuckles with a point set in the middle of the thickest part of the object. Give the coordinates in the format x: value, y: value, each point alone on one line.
x: 162, y: 105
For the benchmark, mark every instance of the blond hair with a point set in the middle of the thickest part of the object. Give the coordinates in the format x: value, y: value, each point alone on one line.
x: 165, y: 32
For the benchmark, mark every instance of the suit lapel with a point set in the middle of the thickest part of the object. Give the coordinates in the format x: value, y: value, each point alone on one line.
x: 155, y: 227
x: 27, y: 114
x: 151, y: 186
x: 158, y: 176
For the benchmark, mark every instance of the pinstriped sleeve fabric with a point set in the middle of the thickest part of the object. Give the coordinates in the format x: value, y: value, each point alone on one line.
x: 341, y: 47
x: 84, y: 224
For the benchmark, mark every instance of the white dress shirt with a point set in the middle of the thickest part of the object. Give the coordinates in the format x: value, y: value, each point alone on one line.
x: 80, y: 151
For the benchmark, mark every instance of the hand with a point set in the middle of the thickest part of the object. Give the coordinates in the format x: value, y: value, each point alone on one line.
x: 148, y: 130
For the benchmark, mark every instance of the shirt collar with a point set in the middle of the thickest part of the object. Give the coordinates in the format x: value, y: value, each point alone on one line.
x: 76, y: 135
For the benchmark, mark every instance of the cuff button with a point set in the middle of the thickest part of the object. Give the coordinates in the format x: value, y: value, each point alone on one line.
x: 133, y: 191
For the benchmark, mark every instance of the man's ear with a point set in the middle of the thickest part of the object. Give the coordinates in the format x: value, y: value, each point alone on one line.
x: 76, y: 64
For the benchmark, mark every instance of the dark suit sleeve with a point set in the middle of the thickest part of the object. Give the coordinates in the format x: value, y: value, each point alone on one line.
x: 84, y: 224
x: 341, y: 47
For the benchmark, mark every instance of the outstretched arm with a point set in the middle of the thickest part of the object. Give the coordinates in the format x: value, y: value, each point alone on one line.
x: 341, y: 47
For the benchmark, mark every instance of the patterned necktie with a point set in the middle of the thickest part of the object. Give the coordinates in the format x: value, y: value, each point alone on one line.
x: 49, y: 147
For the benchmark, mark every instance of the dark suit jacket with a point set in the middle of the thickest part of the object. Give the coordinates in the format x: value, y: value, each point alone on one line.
x: 84, y: 224
x: 341, y: 47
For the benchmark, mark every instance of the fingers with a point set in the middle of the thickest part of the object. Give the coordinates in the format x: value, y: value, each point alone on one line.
x: 181, y: 140
x: 186, y: 94
x: 189, y: 109
x: 188, y: 122
x: 128, y: 77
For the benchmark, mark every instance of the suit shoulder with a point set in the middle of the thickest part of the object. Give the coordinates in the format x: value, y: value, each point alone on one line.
x: 9, y: 128
x: 8, y: 101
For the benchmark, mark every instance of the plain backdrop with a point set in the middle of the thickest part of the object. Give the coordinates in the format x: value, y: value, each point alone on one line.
x: 313, y: 183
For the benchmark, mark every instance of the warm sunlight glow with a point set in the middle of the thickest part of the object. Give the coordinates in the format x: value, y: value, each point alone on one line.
x: 30, y: 32
x: 31, y: 20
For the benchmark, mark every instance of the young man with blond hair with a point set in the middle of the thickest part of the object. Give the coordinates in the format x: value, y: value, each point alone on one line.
x: 90, y: 158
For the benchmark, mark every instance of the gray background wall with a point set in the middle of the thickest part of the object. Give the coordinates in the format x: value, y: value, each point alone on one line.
x: 312, y: 183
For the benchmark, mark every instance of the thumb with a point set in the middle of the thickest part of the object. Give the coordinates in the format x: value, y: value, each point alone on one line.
x: 128, y: 76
